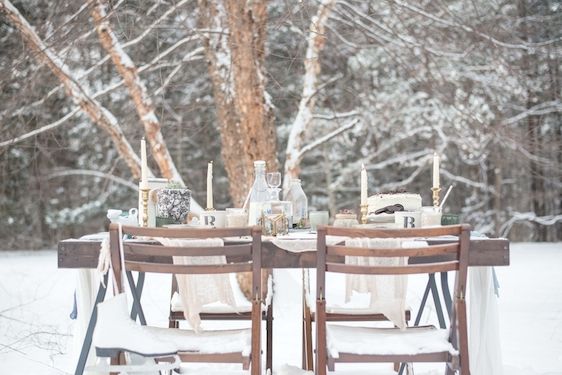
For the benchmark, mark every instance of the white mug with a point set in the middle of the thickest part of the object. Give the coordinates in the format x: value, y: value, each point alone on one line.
x: 407, y: 219
x: 214, y: 218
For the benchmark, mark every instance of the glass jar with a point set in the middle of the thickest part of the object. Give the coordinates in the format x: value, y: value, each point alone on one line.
x: 299, y: 202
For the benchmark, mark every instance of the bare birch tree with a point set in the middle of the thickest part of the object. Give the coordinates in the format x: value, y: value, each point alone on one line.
x: 137, y: 90
x: 97, y: 113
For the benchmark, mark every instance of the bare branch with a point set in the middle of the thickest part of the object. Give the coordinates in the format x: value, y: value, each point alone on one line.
x: 86, y: 172
x: 97, y: 113
x: 137, y: 90
x: 529, y: 217
x: 327, y: 137
x: 42, y: 129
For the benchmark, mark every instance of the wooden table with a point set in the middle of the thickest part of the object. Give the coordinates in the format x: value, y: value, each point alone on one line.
x: 483, y: 252
x: 84, y: 254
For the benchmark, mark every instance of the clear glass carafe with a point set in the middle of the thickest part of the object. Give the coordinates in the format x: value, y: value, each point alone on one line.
x: 259, y: 193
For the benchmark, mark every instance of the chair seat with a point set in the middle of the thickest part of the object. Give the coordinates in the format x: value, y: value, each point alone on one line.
x: 207, y: 342
x: 387, y: 341
x: 243, y: 306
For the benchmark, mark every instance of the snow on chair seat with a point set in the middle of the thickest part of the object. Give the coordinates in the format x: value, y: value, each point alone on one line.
x: 206, y: 342
x: 387, y: 341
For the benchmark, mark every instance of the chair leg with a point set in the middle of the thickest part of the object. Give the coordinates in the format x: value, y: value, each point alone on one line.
x: 269, y: 337
x: 463, y: 337
x: 331, y: 364
x: 307, y: 341
x: 321, y: 347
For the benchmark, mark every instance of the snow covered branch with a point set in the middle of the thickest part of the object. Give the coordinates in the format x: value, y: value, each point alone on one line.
x: 40, y: 130
x: 137, y: 90
x: 320, y: 141
x: 316, y: 42
x: 97, y: 113
x: 86, y: 172
x: 87, y: 72
x: 529, y: 217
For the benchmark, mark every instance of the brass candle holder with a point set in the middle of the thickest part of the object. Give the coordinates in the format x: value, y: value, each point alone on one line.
x: 364, y: 214
x: 435, y: 191
x: 144, y: 213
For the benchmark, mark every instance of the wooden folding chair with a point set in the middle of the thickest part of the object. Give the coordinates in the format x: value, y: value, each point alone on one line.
x: 246, y: 257
x: 243, y: 312
x: 336, y: 343
x: 333, y: 314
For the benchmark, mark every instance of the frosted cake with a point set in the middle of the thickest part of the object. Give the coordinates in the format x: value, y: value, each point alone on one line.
x: 410, y: 202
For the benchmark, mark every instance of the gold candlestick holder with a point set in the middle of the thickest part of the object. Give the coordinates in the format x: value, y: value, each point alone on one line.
x: 364, y: 214
x: 144, y: 213
x: 435, y: 191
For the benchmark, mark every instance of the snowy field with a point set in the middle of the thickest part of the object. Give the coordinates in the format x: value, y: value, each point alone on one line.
x: 36, y: 300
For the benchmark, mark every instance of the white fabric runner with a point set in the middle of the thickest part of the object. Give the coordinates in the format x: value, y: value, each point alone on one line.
x: 484, y: 342
x: 198, y: 290
x: 388, y: 292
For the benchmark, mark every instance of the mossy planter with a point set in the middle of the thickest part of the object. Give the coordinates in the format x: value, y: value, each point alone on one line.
x: 173, y: 205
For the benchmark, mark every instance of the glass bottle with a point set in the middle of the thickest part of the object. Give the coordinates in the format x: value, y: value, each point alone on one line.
x: 298, y: 199
x: 259, y: 193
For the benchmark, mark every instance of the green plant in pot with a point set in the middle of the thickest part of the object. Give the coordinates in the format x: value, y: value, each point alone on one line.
x: 173, y: 204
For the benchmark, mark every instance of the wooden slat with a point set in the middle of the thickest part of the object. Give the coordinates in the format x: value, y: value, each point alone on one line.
x: 212, y: 357
x: 158, y: 250
x: 187, y: 269
x: 396, y: 358
x: 432, y: 250
x: 184, y: 232
x: 447, y: 230
x: 394, y: 270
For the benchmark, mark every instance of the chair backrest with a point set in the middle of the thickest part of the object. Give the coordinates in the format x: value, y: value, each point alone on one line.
x: 450, y: 254
x: 152, y: 257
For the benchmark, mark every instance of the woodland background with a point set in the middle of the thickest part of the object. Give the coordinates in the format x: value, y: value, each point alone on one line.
x: 314, y: 87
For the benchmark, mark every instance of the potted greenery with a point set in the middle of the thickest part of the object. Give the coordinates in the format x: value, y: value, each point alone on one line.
x: 173, y: 204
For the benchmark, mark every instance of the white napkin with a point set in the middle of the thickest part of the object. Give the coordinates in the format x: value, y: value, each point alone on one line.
x: 198, y: 290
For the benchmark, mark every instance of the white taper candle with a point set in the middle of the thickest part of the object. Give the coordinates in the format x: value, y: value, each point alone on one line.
x: 144, y: 166
x: 210, y: 185
x: 435, y: 170
x: 363, y: 185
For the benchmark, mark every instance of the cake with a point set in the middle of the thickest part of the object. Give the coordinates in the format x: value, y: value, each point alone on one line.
x: 410, y: 202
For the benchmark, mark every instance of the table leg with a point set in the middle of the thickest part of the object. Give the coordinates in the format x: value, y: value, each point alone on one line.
x: 87, y: 344
x: 432, y: 287
x: 136, y: 291
x: 446, y: 292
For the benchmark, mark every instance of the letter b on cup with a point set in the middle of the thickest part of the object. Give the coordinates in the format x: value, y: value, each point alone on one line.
x: 404, y: 219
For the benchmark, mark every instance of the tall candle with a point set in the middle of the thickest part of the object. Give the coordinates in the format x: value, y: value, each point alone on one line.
x: 435, y: 170
x: 210, y: 185
x: 363, y: 185
x: 144, y: 166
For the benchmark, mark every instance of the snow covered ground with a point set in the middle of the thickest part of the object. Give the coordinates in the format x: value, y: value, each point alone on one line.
x: 36, y: 300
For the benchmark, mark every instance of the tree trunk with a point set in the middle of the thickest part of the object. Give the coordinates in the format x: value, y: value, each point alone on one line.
x: 97, y: 113
x: 243, y: 110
